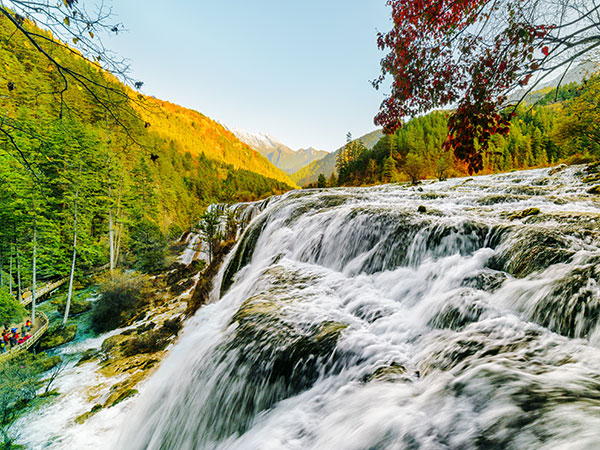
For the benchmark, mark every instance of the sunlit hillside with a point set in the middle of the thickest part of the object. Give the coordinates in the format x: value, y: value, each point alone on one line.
x: 196, y: 133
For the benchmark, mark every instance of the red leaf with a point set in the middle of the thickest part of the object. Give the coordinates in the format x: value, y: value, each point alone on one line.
x: 545, y: 50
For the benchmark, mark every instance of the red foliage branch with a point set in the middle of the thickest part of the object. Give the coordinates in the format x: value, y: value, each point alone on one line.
x: 468, y: 54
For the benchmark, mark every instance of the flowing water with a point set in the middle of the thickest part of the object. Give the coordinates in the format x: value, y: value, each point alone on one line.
x: 347, y: 319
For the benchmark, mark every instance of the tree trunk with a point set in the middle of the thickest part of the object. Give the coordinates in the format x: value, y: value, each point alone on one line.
x: 119, y: 228
x: 10, y: 276
x: 19, y: 290
x: 118, y: 245
x: 111, y: 240
x: 70, y: 293
x: 34, y: 271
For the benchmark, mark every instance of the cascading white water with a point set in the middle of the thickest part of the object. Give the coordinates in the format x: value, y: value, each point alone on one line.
x: 349, y: 320
x: 346, y: 319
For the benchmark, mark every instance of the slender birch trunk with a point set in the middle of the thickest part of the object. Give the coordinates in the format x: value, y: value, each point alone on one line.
x: 34, y: 270
x: 10, y: 275
x: 111, y: 239
x: 19, y: 288
x: 70, y: 293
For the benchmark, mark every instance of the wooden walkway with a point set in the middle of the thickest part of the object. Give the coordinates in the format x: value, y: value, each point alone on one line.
x: 43, y: 291
x: 42, y: 322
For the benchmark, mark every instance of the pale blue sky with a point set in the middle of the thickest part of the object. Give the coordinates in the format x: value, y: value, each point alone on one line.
x: 299, y: 70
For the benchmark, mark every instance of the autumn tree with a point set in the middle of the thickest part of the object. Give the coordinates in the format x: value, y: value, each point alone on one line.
x: 414, y: 167
x: 580, y: 126
x: 441, y: 165
x: 471, y: 54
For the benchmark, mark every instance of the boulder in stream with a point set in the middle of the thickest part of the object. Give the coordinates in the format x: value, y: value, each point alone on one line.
x: 57, y: 336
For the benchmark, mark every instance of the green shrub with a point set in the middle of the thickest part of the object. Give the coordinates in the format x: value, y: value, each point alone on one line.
x: 11, y: 310
x: 121, y: 298
x: 150, y: 341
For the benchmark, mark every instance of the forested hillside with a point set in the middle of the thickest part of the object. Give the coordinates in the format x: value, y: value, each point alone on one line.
x: 326, y: 166
x: 193, y: 132
x: 83, y: 158
x: 560, y: 127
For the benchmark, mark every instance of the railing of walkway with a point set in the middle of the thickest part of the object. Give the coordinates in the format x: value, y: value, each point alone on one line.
x: 26, y: 297
x: 42, y: 319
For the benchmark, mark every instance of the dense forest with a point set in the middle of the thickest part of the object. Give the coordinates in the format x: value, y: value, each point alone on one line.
x: 104, y: 168
x: 560, y: 127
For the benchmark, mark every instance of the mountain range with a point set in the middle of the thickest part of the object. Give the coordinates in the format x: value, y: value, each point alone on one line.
x: 280, y: 155
x: 575, y: 75
x: 326, y: 166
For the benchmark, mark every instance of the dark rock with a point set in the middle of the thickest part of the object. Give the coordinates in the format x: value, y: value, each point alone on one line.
x: 595, y: 190
x: 544, y: 181
x: 572, y: 307
x: 458, y: 312
x: 525, y: 213
x: 181, y: 271
x: 530, y: 250
x: 500, y: 198
x: 557, y: 169
x: 143, y: 328
x: 243, y: 253
x: 485, y: 280
x: 182, y: 286
x: 88, y: 355
x: 204, y: 286
x: 393, y: 372
x: 422, y: 209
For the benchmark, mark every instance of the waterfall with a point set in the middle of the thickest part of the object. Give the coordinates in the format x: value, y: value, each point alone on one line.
x: 357, y: 319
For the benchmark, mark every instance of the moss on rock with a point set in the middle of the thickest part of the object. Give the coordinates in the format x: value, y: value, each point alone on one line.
x: 490, y: 200
x: 111, y: 343
x: 457, y: 312
x: 594, y: 190
x: 57, y: 336
x: 269, y: 345
x: 557, y: 169
x: 393, y: 372
x: 591, y: 178
x: 530, y: 250
x: 572, y: 307
x: 77, y: 306
x: 85, y: 416
x: 118, y: 396
x: 525, y: 213
x: 45, y: 362
x: 88, y: 355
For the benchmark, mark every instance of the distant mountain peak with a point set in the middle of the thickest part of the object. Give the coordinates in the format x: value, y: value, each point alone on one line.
x: 282, y: 156
x: 326, y: 164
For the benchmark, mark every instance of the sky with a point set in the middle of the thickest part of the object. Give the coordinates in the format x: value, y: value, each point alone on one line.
x: 299, y: 71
